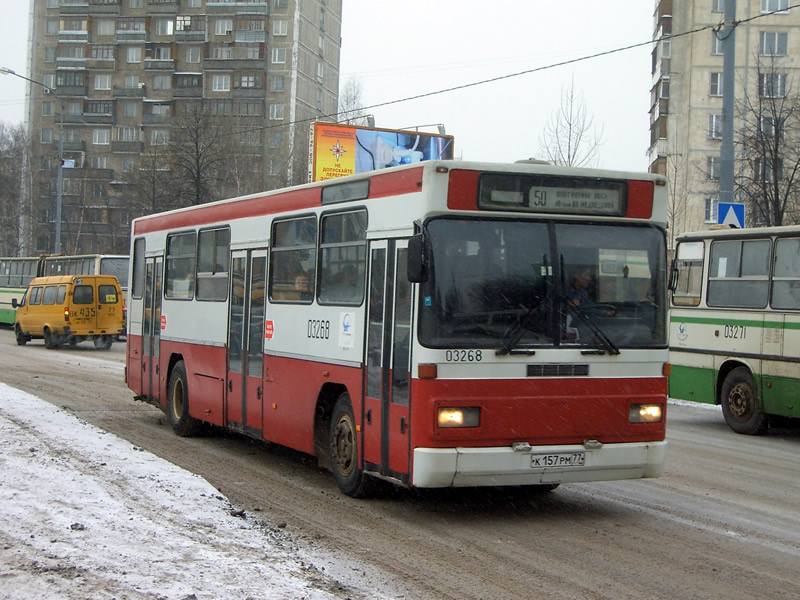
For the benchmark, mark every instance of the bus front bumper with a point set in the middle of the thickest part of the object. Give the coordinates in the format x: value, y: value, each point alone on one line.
x: 467, y: 467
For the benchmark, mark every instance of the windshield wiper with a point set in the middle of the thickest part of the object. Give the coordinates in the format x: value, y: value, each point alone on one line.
x: 587, y: 320
x: 518, y: 330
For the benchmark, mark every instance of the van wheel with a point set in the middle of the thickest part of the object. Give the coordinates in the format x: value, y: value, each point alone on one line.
x: 343, y: 451
x: 103, y: 342
x: 50, y: 339
x: 739, y: 401
x: 22, y: 339
x: 178, y: 403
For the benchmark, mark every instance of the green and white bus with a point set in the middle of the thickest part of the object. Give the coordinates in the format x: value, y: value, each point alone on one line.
x: 735, y: 323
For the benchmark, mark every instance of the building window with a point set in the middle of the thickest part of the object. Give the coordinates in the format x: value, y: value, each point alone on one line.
x: 103, y: 51
x: 159, y: 137
x: 127, y: 134
x: 770, y: 126
x: 72, y: 135
x: 131, y: 24
x: 774, y: 5
x: 162, y: 53
x: 74, y: 108
x: 280, y: 3
x: 102, y: 82
x: 133, y: 54
x: 276, y: 112
x: 320, y: 71
x: 49, y: 54
x: 773, y: 43
x: 715, y: 126
x: 772, y: 85
x: 275, y: 139
x: 101, y: 137
x: 46, y: 135
x: 712, y: 168
x: 160, y: 108
x: 47, y: 109
x: 716, y: 84
x: 73, y: 24
x: 193, y: 54
x: 716, y: 44
x: 69, y: 78
x: 51, y: 27
x: 769, y: 170
x: 106, y: 26
x: 99, y: 107
x: 278, y: 56
x: 718, y: 6
x: 248, y: 80
x: 221, y: 83
x: 195, y: 3
x: 280, y: 27
x: 162, y: 82
x: 277, y: 84
x: 99, y: 162
x: 250, y: 23
x: 223, y: 26
x: 165, y: 26
x: 131, y: 81
x: 711, y: 211
x: 249, y: 51
x: 128, y: 164
x: 135, y: 3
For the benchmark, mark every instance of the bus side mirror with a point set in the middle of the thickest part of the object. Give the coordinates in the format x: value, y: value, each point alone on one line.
x: 673, y: 275
x: 416, y: 260
x: 14, y: 303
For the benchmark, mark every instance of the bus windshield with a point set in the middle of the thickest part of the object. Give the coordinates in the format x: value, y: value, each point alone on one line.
x: 504, y: 283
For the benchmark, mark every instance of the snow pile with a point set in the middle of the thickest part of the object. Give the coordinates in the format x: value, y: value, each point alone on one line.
x: 84, y: 514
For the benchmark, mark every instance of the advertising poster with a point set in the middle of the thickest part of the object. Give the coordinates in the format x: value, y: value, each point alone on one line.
x: 337, y: 150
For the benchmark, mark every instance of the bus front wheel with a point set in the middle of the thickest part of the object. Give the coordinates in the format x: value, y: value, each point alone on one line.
x: 343, y: 450
x: 182, y: 423
x: 740, y: 403
x: 22, y: 339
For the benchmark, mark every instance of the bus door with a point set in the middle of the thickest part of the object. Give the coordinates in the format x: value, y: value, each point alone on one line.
x: 244, y: 406
x: 151, y: 328
x: 386, y: 404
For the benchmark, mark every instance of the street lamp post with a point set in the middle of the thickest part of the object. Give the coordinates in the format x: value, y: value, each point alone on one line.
x: 59, y: 176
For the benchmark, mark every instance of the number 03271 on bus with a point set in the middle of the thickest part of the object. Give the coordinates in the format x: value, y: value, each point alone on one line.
x: 442, y: 324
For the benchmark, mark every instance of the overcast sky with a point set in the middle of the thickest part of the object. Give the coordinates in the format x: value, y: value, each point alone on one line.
x: 398, y: 50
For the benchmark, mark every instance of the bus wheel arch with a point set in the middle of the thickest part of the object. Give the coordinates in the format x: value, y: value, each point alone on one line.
x: 326, y: 402
x: 177, y: 408
x: 741, y: 406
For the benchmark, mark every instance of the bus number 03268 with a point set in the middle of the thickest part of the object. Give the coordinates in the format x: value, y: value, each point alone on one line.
x: 319, y: 330
x: 463, y: 356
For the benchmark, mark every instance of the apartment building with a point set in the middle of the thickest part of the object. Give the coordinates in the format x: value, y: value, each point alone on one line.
x: 126, y: 74
x: 687, y: 94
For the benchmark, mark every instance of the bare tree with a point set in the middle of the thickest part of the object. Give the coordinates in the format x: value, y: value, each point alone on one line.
x: 199, y: 148
x: 569, y: 137
x: 769, y: 147
x: 678, y: 207
x: 150, y: 186
x: 351, y: 105
x: 13, y: 147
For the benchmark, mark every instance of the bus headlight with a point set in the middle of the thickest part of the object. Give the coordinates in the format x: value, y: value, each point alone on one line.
x: 645, y: 413
x: 459, y: 417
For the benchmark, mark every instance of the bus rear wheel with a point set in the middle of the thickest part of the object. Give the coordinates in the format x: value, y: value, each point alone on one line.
x: 182, y: 423
x: 740, y: 403
x: 103, y: 342
x: 343, y: 450
x: 51, y: 340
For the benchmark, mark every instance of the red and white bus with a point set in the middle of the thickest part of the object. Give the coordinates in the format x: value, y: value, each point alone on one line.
x: 441, y: 324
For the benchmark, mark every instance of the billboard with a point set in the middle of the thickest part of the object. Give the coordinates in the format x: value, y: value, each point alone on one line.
x: 336, y: 150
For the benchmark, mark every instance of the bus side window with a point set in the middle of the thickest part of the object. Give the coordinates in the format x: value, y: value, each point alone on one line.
x: 786, y: 275
x: 689, y: 265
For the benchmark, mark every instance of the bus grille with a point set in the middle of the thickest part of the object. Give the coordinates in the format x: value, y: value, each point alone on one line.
x: 558, y: 370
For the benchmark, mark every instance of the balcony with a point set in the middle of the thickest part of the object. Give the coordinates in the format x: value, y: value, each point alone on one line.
x: 250, y: 37
x: 98, y: 7
x: 78, y: 146
x: 123, y: 92
x: 261, y: 8
x: 163, y: 7
x: 190, y: 36
x: 249, y: 93
x: 98, y: 119
x: 156, y: 119
x: 187, y: 92
x: 72, y: 90
x: 73, y: 36
x: 127, y: 147
x: 131, y: 35
x: 158, y: 64
x: 71, y: 63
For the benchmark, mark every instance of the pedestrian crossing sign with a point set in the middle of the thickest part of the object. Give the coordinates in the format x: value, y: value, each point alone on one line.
x: 731, y: 214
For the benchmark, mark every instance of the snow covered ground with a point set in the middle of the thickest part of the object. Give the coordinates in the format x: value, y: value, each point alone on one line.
x: 84, y: 514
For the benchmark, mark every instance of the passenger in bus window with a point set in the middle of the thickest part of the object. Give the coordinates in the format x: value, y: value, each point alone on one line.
x: 302, y: 287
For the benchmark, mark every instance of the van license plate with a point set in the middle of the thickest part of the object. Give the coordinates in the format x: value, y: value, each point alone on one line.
x: 568, y: 459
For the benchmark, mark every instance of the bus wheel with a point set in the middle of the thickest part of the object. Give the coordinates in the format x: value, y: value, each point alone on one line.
x: 22, y: 339
x: 178, y: 403
x: 740, y: 403
x: 344, y: 450
x: 103, y: 342
x: 50, y: 339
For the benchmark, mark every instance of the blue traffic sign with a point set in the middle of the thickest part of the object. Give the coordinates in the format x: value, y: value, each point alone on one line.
x: 731, y: 214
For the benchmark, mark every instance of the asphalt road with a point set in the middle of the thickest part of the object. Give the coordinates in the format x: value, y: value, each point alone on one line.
x: 723, y: 522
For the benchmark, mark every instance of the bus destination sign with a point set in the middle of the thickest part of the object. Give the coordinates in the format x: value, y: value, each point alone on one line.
x: 575, y: 200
